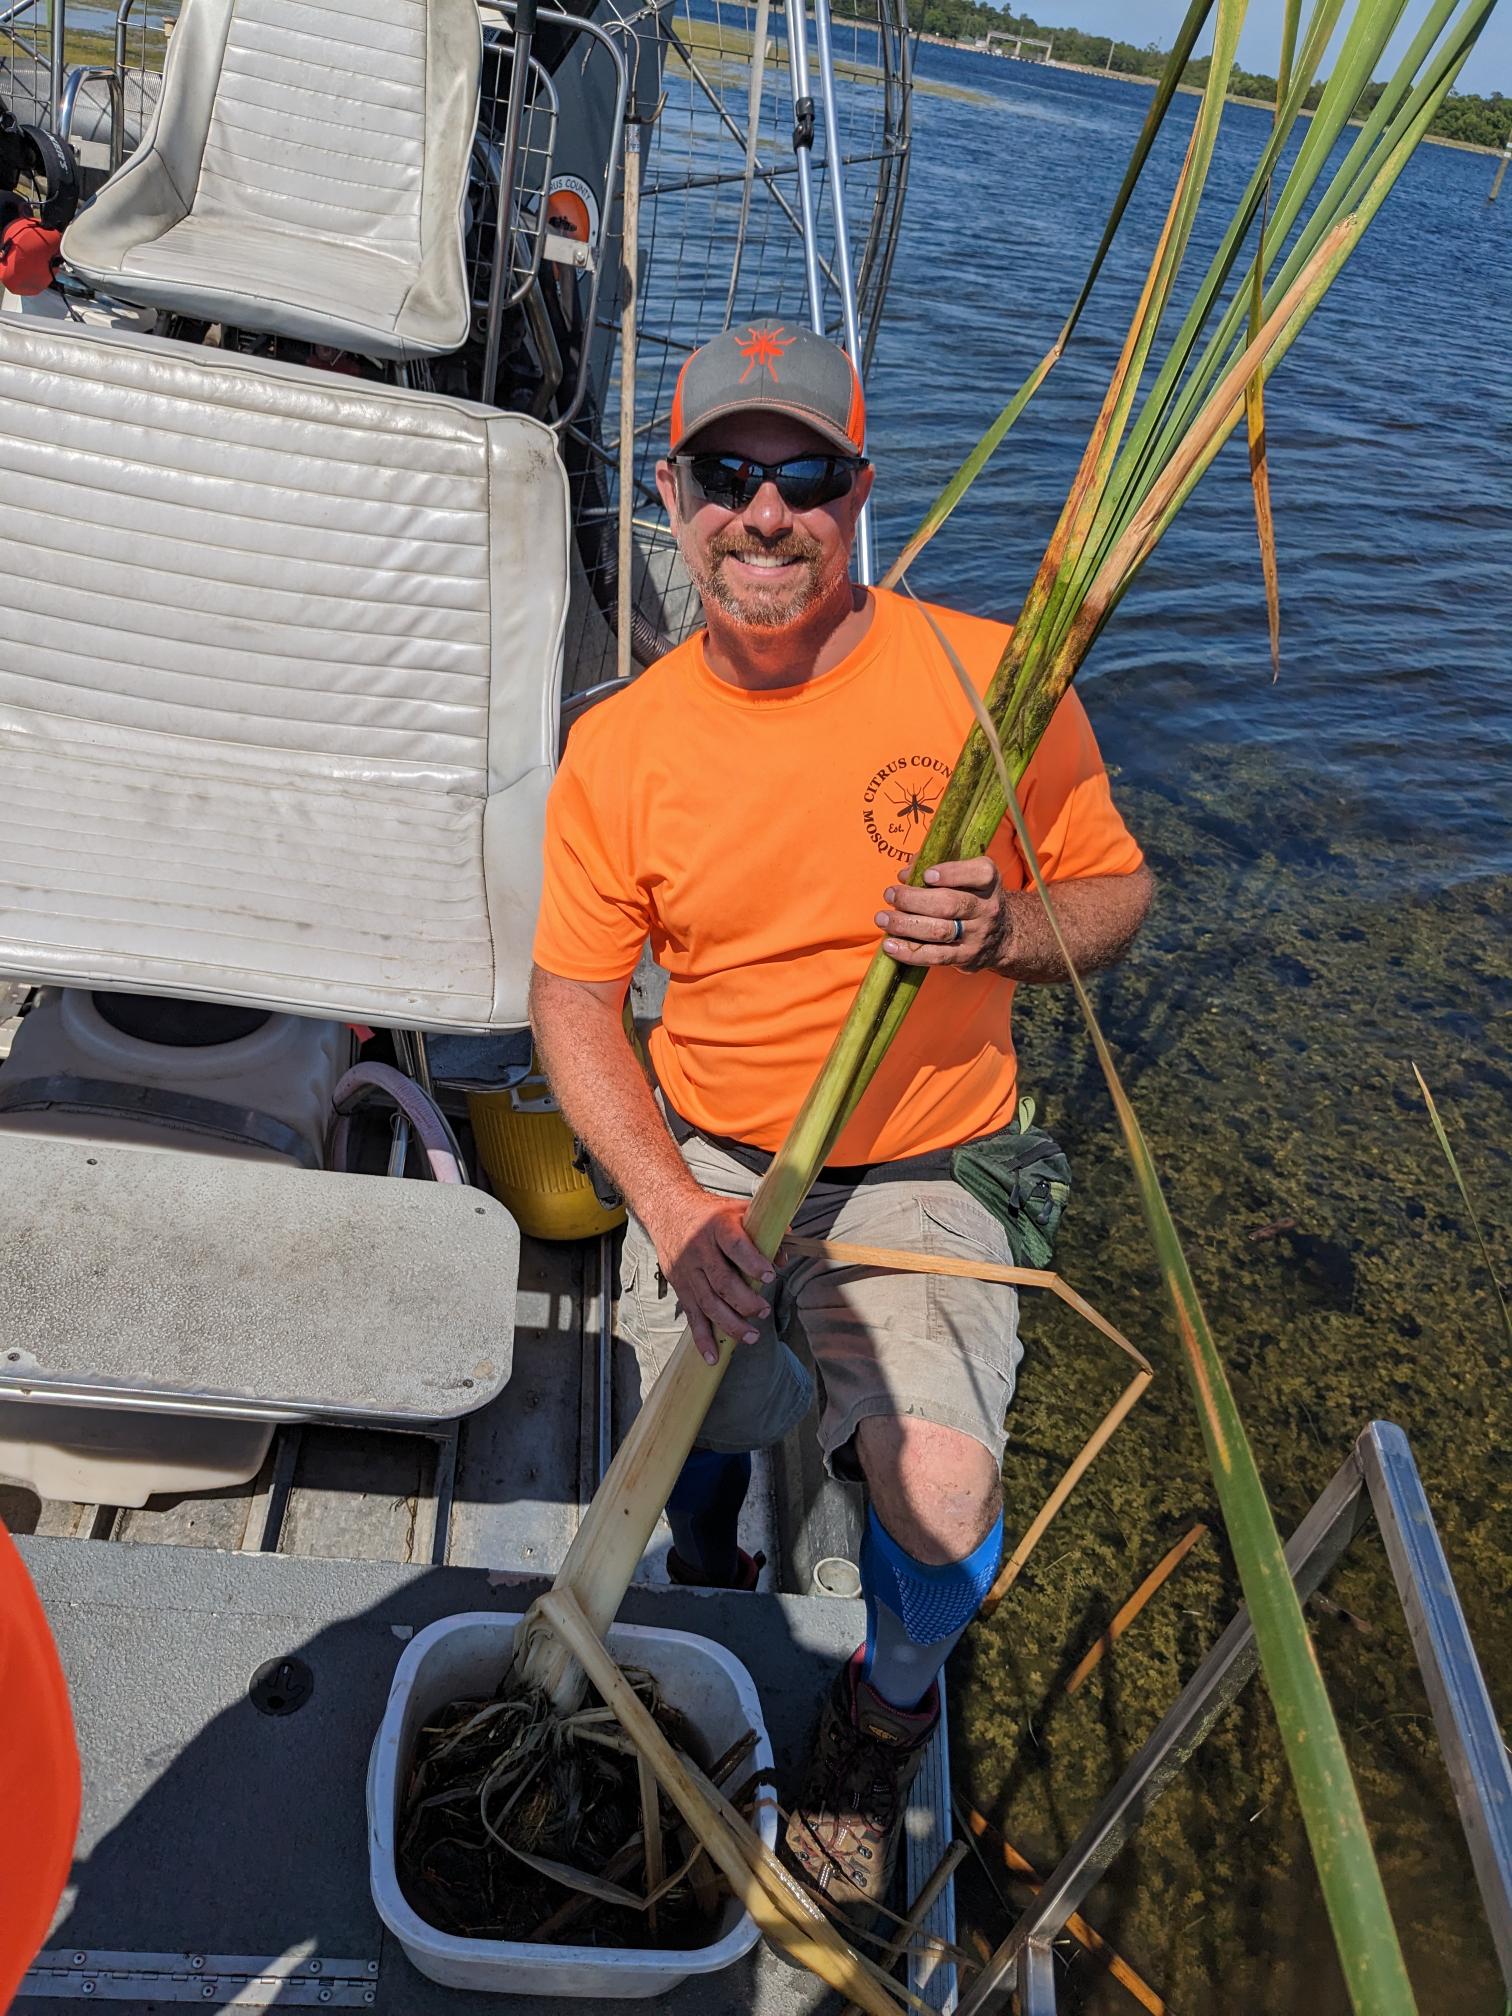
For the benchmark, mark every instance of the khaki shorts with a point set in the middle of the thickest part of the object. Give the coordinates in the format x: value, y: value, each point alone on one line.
x: 930, y: 1347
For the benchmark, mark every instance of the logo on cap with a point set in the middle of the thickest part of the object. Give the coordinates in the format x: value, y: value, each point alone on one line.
x: 764, y: 348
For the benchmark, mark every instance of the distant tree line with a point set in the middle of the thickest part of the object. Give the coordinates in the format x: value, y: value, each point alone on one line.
x: 1485, y: 120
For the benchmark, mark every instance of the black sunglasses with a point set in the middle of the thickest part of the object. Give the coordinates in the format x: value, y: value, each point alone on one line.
x: 803, y: 481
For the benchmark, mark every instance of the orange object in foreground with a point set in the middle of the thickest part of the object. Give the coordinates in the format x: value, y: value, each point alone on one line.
x: 29, y: 256
x: 39, y: 1774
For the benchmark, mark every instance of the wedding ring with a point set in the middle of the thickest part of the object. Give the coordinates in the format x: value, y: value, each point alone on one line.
x: 960, y: 931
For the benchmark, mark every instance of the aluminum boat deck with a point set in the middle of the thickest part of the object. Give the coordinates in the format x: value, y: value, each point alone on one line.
x: 223, y: 1848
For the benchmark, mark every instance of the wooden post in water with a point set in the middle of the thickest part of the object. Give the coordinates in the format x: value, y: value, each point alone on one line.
x: 1501, y: 169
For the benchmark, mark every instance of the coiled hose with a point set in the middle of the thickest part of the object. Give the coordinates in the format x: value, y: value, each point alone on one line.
x: 432, y: 1128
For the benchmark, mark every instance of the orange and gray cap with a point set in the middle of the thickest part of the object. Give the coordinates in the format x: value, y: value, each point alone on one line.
x: 772, y: 367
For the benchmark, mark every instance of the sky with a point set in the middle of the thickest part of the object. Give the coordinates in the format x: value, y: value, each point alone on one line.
x: 1488, y: 69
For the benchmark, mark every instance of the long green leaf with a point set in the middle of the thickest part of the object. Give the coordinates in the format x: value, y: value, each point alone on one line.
x: 1374, y: 1969
x: 1083, y: 508
x: 1169, y: 411
x: 1194, y: 454
x: 1454, y: 1171
x: 1143, y: 450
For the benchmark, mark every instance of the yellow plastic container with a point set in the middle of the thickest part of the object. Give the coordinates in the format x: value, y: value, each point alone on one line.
x: 526, y: 1147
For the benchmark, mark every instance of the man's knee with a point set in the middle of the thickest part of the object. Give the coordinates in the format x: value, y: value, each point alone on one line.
x: 937, y: 1491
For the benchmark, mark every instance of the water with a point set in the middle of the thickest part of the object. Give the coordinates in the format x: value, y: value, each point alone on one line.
x: 1390, y: 429
x: 1335, y: 857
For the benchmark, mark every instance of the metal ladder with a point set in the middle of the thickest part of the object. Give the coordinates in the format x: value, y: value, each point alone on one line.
x: 1379, y: 1476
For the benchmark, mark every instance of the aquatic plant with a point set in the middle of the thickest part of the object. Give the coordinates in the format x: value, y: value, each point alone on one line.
x: 1442, y: 1135
x: 1150, y: 445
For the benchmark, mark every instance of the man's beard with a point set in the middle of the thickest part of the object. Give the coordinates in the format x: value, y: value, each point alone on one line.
x: 779, y: 607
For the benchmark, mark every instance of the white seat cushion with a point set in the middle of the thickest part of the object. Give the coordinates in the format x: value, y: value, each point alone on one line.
x: 279, y: 682
x: 353, y: 290
x: 305, y: 174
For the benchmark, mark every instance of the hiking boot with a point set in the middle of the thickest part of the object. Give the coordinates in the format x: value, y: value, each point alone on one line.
x: 686, y: 1576
x: 842, y: 1839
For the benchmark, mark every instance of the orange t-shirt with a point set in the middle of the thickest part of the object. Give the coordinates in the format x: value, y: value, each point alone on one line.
x: 751, y: 835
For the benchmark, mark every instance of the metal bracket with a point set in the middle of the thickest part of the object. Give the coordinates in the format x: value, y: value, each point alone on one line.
x: 297, y: 1979
x: 569, y: 252
x: 803, y: 123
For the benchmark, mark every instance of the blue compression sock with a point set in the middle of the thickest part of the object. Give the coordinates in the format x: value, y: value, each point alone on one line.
x: 704, y: 1512
x: 916, y: 1613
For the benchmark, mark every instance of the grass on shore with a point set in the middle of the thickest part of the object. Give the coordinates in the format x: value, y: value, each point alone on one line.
x: 1194, y: 91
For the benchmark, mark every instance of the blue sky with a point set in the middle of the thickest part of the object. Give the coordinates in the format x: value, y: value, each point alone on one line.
x: 1489, y: 67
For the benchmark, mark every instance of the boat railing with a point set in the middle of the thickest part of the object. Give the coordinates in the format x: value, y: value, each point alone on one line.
x: 112, y: 76
x: 525, y: 123
x: 1379, y: 1477
x: 25, y: 38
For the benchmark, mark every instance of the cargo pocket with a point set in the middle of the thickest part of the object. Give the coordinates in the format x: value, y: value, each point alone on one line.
x: 647, y: 1314
x: 979, y: 1317
x: 955, y: 1223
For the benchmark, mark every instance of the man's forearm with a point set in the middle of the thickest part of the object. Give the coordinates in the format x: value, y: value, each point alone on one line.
x: 700, y: 1238
x: 602, y: 1090
x: 1099, y: 917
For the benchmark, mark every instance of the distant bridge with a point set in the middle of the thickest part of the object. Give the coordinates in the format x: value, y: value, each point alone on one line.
x: 1020, y: 43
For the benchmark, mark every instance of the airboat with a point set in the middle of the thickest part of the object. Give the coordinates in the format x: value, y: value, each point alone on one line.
x: 331, y: 401
x: 329, y: 448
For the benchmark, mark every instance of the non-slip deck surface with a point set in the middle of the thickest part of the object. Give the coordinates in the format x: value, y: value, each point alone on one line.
x: 213, y: 1828
x: 254, y: 1288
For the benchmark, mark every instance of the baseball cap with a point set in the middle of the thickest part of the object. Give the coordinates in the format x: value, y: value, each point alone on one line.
x: 772, y: 367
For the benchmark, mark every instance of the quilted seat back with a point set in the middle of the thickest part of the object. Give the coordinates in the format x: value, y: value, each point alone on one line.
x: 314, y: 109
x: 305, y: 173
x: 279, y: 682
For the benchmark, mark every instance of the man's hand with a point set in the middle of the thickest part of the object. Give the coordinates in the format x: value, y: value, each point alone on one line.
x: 1006, y: 931
x: 922, y: 924
x: 702, y: 1249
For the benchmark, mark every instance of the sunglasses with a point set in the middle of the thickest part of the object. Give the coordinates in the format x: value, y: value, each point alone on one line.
x: 803, y: 482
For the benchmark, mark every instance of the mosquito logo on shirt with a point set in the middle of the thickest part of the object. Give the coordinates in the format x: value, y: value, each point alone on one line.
x: 900, y: 800
x: 909, y: 806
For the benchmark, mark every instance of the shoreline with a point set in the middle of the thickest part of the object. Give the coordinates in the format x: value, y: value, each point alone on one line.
x: 1190, y: 91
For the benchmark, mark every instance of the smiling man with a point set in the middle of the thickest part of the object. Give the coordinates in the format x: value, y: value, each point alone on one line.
x: 749, y: 804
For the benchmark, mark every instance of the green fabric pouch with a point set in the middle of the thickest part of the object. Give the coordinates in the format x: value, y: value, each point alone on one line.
x: 1023, y: 1178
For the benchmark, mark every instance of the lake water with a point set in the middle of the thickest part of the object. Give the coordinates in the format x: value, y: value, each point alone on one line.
x: 1335, y: 857
x: 1390, y: 440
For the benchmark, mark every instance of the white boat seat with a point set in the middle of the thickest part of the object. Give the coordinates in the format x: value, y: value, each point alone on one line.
x: 199, y: 1285
x: 279, y: 681
x: 305, y: 174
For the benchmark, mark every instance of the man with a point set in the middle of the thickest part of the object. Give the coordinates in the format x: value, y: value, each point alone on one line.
x: 751, y: 804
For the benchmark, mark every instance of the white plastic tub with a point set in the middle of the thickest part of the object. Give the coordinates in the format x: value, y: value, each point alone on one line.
x: 466, y: 1655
